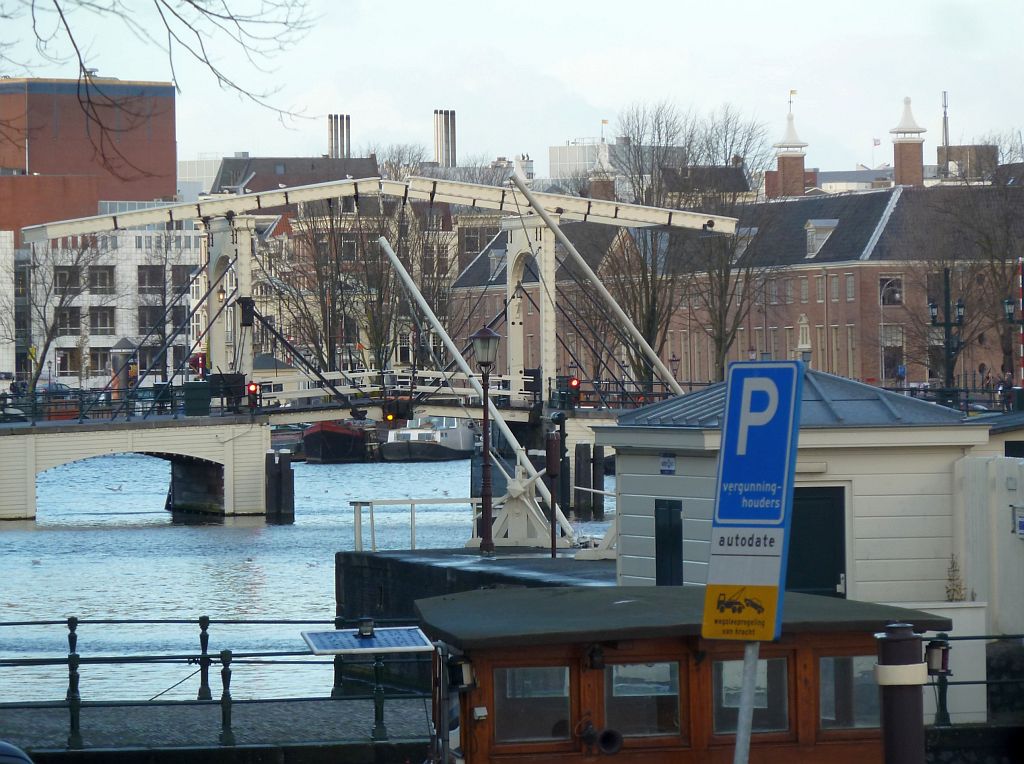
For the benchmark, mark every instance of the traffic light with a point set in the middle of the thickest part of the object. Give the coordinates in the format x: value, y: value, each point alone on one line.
x: 574, y: 391
x: 252, y: 390
x: 248, y: 306
x: 389, y: 413
x: 395, y: 410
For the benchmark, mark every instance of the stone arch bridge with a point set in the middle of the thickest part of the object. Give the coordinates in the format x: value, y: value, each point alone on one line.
x: 217, y: 466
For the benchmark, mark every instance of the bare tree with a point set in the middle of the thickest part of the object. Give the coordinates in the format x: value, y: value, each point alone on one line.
x: 984, y: 225
x: 201, y: 32
x: 475, y: 169
x: 55, y: 280
x: 671, y: 158
x: 398, y: 161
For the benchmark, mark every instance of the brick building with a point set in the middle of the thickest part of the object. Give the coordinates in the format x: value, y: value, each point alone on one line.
x: 68, y: 144
x: 843, y: 280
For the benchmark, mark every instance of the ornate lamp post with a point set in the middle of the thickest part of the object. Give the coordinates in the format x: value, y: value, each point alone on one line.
x: 1009, y: 307
x: 485, y: 347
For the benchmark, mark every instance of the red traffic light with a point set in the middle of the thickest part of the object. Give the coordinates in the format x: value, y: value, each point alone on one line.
x: 253, y: 388
x: 574, y: 383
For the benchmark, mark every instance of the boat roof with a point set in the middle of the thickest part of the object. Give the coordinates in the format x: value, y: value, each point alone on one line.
x: 487, y: 618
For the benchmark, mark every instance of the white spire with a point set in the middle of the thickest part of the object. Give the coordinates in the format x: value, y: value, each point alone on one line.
x: 907, y: 130
x: 790, y: 143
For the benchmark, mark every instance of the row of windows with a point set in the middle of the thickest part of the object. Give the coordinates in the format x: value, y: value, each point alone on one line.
x: 152, y: 279
x: 111, y: 242
x: 532, y: 704
x: 787, y: 293
x: 102, y: 320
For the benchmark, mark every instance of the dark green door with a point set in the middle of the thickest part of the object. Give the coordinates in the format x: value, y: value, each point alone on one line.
x: 817, y: 543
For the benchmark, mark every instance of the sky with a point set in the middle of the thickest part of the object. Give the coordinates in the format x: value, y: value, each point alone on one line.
x: 529, y: 75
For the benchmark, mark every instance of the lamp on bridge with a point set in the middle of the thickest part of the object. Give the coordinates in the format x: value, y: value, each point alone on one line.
x: 221, y: 294
x: 485, y: 347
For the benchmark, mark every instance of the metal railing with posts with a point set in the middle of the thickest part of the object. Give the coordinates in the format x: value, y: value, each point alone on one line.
x: 941, y: 681
x: 351, y: 679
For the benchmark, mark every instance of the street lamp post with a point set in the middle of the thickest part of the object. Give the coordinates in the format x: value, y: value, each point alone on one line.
x: 485, y: 347
x: 1009, y: 307
x: 950, y: 344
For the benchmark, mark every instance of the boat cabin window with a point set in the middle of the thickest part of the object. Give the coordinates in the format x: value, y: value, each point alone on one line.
x: 642, y: 699
x: 848, y: 693
x: 771, y: 696
x: 531, y: 704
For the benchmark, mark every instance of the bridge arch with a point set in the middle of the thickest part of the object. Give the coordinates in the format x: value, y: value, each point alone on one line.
x: 216, y: 467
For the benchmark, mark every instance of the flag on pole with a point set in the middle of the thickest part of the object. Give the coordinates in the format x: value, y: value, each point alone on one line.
x: 792, y: 92
x: 604, y: 121
x: 876, y: 142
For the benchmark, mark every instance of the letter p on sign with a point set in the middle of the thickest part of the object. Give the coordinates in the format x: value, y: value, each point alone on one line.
x: 750, y: 417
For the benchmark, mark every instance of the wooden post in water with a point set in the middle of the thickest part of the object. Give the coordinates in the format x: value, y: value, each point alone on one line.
x: 597, y: 481
x: 583, y: 499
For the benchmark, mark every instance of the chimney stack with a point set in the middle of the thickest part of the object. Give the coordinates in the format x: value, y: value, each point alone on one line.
x: 908, y: 149
x: 790, y: 157
x: 339, y: 136
x: 444, y: 137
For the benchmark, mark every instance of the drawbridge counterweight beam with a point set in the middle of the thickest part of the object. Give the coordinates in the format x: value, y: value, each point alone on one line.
x: 427, y: 189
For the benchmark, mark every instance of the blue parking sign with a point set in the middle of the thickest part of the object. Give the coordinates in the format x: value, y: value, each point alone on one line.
x: 759, y: 436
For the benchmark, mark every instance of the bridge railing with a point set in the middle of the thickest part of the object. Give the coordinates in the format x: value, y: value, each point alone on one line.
x: 377, y: 678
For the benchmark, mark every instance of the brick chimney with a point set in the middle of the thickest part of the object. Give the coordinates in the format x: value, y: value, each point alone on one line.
x: 908, y: 149
x: 602, y: 188
x: 790, y: 156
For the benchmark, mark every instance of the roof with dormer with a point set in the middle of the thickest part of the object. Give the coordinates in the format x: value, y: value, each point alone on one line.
x: 879, y: 225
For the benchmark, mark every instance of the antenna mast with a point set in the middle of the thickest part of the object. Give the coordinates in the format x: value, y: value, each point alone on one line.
x: 945, y: 135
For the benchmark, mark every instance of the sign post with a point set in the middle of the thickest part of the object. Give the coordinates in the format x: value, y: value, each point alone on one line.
x: 750, y: 530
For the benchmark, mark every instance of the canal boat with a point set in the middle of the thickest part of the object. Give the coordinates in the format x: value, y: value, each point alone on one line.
x: 543, y: 674
x: 335, y: 442
x: 430, y: 439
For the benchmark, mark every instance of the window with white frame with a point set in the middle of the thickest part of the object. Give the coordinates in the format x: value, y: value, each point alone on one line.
x: 69, y: 321
x: 101, y: 279
x: 151, y: 279
x: 101, y: 320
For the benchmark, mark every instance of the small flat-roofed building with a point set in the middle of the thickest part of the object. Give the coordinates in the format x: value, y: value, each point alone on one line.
x: 560, y: 673
x: 877, y: 515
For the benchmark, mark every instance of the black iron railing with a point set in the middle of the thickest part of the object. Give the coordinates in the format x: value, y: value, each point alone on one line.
x: 941, y: 681
x: 353, y: 678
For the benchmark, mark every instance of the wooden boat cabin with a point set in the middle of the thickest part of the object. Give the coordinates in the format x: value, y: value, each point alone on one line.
x: 574, y: 673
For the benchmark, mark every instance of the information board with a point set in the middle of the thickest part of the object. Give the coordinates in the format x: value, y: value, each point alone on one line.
x: 753, y: 503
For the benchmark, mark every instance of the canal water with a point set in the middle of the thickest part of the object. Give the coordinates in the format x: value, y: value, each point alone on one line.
x: 102, y: 547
